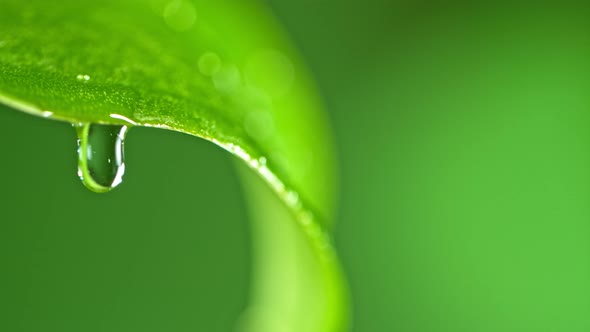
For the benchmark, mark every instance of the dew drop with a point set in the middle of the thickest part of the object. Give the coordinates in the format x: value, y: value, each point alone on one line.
x: 292, y: 198
x: 101, y: 163
x: 83, y: 78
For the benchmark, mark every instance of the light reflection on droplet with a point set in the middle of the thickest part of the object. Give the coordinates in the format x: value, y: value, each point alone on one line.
x: 46, y: 114
x: 292, y: 198
x: 241, y: 153
x: 124, y: 118
x: 83, y: 77
x: 271, y: 178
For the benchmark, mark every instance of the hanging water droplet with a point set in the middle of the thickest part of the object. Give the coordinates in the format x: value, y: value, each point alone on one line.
x: 101, y: 163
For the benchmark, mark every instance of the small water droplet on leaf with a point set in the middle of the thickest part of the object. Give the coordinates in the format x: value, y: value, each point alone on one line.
x: 83, y: 78
x: 101, y: 162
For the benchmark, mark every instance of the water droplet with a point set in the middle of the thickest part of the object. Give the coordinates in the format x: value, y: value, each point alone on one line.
x: 292, y: 198
x: 82, y: 77
x: 180, y: 15
x: 46, y: 114
x: 101, y: 163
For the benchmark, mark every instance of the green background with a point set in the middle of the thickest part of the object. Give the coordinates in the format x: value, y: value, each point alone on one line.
x: 462, y: 132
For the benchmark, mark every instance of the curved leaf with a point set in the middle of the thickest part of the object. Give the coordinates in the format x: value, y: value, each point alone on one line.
x: 218, y: 70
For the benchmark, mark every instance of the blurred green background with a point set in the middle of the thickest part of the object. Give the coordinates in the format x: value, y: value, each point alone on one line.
x: 462, y: 132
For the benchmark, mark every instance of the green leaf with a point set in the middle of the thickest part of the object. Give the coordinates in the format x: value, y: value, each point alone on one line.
x: 219, y: 70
